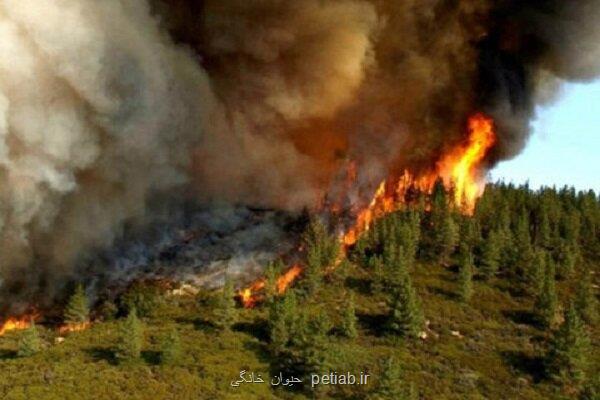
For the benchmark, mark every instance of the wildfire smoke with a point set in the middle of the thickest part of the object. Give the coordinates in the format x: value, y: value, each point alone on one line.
x: 460, y: 170
x: 114, y: 112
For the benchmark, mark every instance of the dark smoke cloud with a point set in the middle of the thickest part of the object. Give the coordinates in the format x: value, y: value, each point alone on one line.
x: 104, y: 106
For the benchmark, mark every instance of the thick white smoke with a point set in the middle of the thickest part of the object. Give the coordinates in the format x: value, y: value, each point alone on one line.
x: 97, y: 111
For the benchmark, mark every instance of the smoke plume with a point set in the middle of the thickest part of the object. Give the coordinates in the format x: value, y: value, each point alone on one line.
x: 107, y: 107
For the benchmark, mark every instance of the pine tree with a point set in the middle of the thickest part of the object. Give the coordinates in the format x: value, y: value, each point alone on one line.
x: 405, y: 316
x: 77, y: 310
x: 566, y: 359
x: 490, y: 257
x: 30, y: 342
x: 282, y: 322
x: 316, y: 236
x: 170, y: 348
x: 466, y: 276
x: 271, y: 274
x: 349, y: 319
x: 537, y: 271
x: 446, y: 237
x: 130, y: 341
x: 523, y: 250
x: 312, y: 344
x: 322, y: 250
x: 391, y: 384
x: 470, y: 232
x: 567, y: 257
x: 314, y: 271
x: 546, y: 301
x: 379, y: 277
x: 224, y: 311
x: 585, y: 300
x: 543, y: 232
x: 409, y: 235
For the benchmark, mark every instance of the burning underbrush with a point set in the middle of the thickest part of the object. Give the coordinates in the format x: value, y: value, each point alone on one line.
x: 200, y: 248
x: 459, y: 171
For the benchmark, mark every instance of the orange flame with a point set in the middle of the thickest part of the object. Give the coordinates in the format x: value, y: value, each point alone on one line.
x: 459, y: 169
x: 18, y: 323
x: 249, y: 296
x: 77, y: 327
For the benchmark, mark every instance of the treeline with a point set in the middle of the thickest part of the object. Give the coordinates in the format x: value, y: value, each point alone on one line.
x: 531, y: 242
x: 529, y: 239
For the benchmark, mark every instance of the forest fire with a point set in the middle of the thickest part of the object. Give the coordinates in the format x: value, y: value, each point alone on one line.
x: 18, y: 323
x: 249, y: 297
x: 459, y: 169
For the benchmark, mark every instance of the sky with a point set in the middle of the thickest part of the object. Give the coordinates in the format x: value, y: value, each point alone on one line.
x: 564, y: 148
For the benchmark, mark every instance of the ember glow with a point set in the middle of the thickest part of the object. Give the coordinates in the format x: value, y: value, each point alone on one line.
x: 18, y: 323
x: 68, y: 328
x: 460, y: 169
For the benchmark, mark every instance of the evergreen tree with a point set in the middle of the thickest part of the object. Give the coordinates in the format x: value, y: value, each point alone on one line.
x: 490, y: 257
x: 146, y: 299
x: 311, y: 345
x: 170, y: 348
x: 523, y: 250
x: 446, y: 236
x: 30, y: 342
x: 543, y: 236
x: 322, y: 251
x: 77, y: 310
x: 567, y: 257
x: 379, y: 277
x: 405, y: 316
x: 299, y: 338
x: 571, y: 226
x: 546, y: 301
x: 271, y: 275
x: 391, y: 384
x: 470, y: 233
x: 466, y: 276
x: 586, y: 303
x: 349, y: 319
x: 314, y: 271
x: 224, y: 311
x: 537, y: 272
x: 282, y: 322
x: 316, y: 236
x: 131, y: 334
x: 566, y: 359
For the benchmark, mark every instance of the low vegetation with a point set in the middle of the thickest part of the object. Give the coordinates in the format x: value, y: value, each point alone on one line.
x: 431, y: 303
